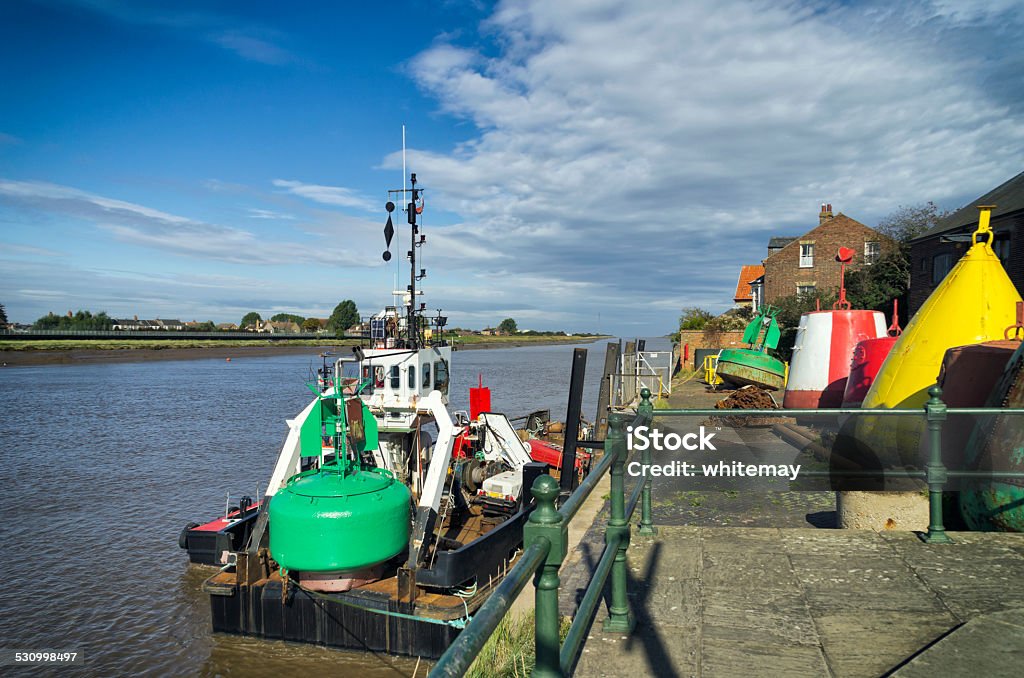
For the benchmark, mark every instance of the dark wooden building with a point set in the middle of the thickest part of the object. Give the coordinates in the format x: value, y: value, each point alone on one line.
x: 935, y: 252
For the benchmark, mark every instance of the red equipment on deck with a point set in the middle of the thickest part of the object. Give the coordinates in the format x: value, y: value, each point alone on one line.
x: 479, y: 399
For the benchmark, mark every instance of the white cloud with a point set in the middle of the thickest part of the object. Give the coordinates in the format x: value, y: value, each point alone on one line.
x: 655, y: 146
x: 255, y: 213
x: 253, y: 48
x: 141, y: 225
x: 327, y: 195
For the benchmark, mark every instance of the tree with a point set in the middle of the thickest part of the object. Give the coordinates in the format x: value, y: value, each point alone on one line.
x: 250, y: 318
x: 3, y: 315
x: 874, y: 287
x: 82, y: 320
x: 508, y: 326
x: 344, y: 316
x: 789, y: 311
x: 310, y: 325
x: 287, y: 318
x: 906, y: 223
x: 694, y: 318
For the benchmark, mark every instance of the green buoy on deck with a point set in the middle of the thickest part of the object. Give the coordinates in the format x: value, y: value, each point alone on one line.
x: 327, y: 521
x: 341, y: 516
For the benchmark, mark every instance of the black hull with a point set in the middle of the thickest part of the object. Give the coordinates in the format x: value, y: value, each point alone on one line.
x: 260, y: 611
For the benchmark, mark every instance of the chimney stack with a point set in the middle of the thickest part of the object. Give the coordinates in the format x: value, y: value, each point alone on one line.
x: 826, y: 213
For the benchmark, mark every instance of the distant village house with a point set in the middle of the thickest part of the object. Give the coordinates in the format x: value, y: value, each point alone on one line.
x: 151, y: 325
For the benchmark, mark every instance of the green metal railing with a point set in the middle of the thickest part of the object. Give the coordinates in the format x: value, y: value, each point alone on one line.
x: 546, y: 533
x: 545, y: 539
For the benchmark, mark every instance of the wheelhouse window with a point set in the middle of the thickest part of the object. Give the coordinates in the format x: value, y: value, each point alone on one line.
x: 441, y: 376
x: 806, y: 255
x: 412, y: 376
x: 941, y: 265
x: 872, y: 250
x: 426, y: 375
x: 396, y: 379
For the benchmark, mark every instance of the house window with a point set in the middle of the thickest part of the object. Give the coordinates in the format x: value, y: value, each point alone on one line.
x: 872, y: 250
x: 806, y: 255
x: 941, y: 264
x: 806, y: 290
x: 923, y: 264
x: 1001, y: 246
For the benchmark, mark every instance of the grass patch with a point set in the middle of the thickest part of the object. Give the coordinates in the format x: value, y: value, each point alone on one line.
x: 662, y: 404
x: 159, y: 344
x: 509, y: 652
x: 522, y: 339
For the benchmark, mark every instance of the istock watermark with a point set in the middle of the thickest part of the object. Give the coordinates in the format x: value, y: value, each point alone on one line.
x: 740, y: 460
x: 640, y: 437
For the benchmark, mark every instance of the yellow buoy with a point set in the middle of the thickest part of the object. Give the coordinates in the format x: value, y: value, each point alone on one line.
x: 975, y: 302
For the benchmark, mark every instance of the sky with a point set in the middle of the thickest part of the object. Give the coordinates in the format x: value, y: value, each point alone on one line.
x: 589, y: 165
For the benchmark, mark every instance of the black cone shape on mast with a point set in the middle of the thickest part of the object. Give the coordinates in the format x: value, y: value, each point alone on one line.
x: 412, y: 329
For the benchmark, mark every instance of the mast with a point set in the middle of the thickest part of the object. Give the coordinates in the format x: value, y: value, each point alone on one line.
x: 413, y: 338
x: 412, y: 327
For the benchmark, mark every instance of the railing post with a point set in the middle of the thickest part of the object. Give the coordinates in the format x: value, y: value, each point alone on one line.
x: 646, y: 410
x: 935, y: 471
x: 548, y: 524
x: 620, y: 619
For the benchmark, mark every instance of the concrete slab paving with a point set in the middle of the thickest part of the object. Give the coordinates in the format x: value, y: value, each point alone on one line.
x: 956, y: 654
x: 802, y: 602
x: 736, y: 583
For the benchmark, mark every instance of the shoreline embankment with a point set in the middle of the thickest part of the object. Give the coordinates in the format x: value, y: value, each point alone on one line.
x: 84, y: 355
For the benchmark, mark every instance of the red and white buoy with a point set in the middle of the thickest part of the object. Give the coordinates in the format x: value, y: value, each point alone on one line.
x: 820, y: 365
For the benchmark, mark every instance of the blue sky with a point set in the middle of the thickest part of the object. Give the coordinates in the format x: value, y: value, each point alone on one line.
x: 589, y: 165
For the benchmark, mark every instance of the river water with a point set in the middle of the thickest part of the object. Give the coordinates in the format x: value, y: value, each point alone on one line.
x: 102, y: 465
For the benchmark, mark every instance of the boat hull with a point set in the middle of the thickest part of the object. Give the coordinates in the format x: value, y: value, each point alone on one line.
x: 267, y: 610
x: 741, y: 367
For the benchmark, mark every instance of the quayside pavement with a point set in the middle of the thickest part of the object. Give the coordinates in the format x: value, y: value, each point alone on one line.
x: 749, y: 602
x: 752, y: 581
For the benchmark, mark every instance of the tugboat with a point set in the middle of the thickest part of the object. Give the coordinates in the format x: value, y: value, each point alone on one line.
x: 385, y: 523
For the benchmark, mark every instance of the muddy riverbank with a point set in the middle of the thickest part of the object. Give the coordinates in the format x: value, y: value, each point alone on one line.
x: 84, y: 356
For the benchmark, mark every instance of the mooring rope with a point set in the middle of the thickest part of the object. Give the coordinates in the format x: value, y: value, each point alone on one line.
x: 454, y: 623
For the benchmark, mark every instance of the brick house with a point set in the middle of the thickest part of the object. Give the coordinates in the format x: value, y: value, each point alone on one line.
x: 807, y: 263
x: 933, y: 253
